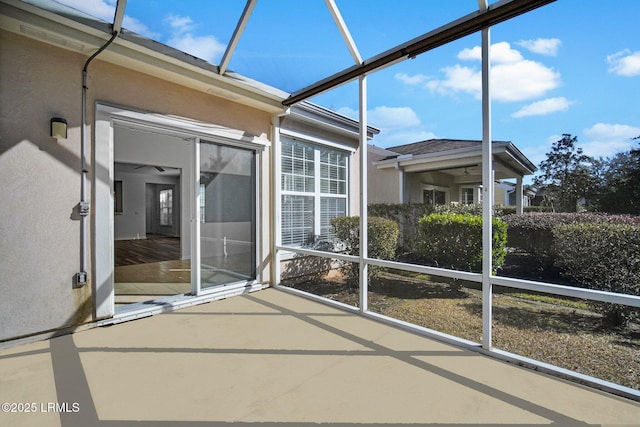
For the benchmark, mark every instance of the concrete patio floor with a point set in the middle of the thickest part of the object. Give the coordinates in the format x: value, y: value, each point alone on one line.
x: 272, y: 358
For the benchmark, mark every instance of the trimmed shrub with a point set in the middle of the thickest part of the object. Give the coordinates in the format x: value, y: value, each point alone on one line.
x: 455, y: 241
x: 382, y: 239
x: 511, y: 210
x: 459, y: 208
x: 533, y: 233
x: 605, y: 257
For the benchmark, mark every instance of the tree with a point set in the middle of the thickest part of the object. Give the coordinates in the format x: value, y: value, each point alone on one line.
x: 568, y: 176
x: 621, y: 184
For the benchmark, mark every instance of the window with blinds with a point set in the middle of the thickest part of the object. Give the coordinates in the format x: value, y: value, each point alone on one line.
x: 333, y: 172
x: 298, y: 171
x: 314, y: 191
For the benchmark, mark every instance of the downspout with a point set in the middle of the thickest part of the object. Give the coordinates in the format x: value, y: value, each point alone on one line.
x: 84, y: 206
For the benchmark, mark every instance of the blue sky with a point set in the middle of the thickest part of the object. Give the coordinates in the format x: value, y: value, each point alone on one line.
x: 569, y: 67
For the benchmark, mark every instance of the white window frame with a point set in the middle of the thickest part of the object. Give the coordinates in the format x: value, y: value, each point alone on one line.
x: 317, y: 194
x: 477, y: 194
x: 445, y: 190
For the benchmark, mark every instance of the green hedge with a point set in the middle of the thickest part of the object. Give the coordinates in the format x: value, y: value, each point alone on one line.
x: 533, y: 233
x: 406, y: 215
x: 601, y: 256
x: 509, y: 210
x: 455, y: 241
x: 382, y: 239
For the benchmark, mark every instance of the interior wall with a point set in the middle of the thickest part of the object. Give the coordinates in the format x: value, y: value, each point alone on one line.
x: 144, y: 147
x: 134, y: 221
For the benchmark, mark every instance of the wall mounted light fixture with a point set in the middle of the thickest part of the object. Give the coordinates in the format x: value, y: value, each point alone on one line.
x: 58, y: 128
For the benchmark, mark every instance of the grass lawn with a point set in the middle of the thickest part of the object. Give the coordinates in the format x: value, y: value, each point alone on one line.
x: 559, y: 331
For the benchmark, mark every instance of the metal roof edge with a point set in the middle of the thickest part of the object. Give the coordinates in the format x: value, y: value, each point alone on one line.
x: 309, y: 111
x: 506, y: 147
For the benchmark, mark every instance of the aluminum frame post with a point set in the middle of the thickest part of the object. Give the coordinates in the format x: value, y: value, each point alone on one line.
x: 276, y: 202
x: 237, y: 34
x: 519, y: 196
x: 364, y: 238
x: 487, y: 189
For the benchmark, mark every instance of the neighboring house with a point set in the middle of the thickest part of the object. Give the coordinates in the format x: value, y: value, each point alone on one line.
x: 171, y: 147
x: 441, y: 171
x: 506, y: 192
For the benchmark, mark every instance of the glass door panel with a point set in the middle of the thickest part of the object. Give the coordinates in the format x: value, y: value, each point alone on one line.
x: 227, y: 215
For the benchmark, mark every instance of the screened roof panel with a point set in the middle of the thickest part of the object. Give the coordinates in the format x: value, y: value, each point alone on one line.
x: 555, y: 69
x: 295, y: 44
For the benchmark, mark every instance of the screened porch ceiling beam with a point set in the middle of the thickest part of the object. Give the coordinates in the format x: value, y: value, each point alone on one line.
x: 237, y: 34
x: 494, y: 14
x: 119, y: 16
x: 344, y: 30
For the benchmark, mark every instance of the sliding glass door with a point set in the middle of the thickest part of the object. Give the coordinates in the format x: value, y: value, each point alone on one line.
x: 227, y: 197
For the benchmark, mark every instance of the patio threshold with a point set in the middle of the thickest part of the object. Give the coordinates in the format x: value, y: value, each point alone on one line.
x: 275, y: 358
x: 128, y: 312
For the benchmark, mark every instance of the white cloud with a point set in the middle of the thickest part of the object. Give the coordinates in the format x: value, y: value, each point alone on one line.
x: 384, y: 117
x: 625, y: 63
x: 349, y: 112
x: 411, y: 80
x: 102, y: 9
x: 182, y: 28
x: 513, y: 78
x: 605, y: 140
x: 180, y: 24
x: 541, y: 46
x: 204, y: 47
x: 544, y: 107
x: 105, y: 10
x: 501, y: 53
x: 398, y: 125
x: 393, y: 117
x: 132, y: 24
x: 522, y: 80
x: 458, y: 79
x: 517, y: 81
x: 470, y: 54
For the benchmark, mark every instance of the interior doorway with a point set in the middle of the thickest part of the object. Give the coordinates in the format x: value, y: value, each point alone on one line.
x: 148, y: 262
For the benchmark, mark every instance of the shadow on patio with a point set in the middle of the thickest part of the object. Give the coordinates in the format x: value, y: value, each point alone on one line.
x: 272, y: 358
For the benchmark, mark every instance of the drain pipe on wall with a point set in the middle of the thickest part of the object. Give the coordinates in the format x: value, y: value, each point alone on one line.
x: 84, y: 206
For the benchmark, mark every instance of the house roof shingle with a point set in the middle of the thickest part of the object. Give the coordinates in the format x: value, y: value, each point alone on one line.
x: 437, y: 145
